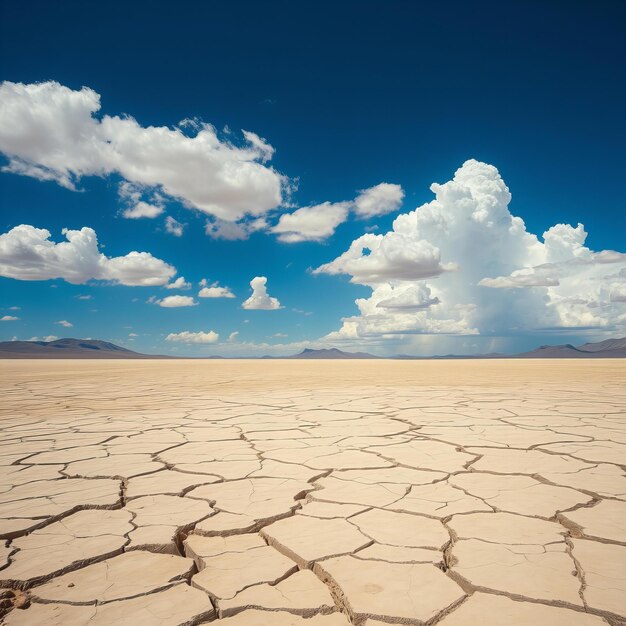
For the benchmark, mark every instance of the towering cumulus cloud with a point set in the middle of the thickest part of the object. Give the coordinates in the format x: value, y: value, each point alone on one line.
x: 51, y: 132
x: 260, y: 299
x: 462, y: 264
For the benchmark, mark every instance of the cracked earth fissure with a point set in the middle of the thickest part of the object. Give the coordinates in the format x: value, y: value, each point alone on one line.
x: 405, y: 505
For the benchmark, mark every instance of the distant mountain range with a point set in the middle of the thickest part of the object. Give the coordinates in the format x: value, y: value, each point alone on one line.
x: 610, y: 348
x: 94, y: 349
x: 331, y: 353
x: 67, y: 349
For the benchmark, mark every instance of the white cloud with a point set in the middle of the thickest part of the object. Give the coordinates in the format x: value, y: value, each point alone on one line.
x: 131, y: 195
x: 234, y: 231
x: 233, y: 336
x: 543, y: 276
x: 462, y: 264
x: 373, y: 259
x: 133, y: 335
x: 318, y: 222
x: 8, y: 318
x: 190, y: 337
x: 142, y: 209
x: 170, y: 302
x: 260, y: 299
x: 51, y: 132
x: 27, y: 253
x: 179, y: 283
x: 83, y: 297
x: 47, y: 339
x: 173, y: 227
x: 65, y: 324
x: 214, y: 291
x: 312, y: 223
x: 379, y: 200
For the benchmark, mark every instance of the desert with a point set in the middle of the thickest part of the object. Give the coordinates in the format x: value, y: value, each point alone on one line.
x: 318, y: 492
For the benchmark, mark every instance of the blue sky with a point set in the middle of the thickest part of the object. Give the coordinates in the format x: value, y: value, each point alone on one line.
x: 349, y: 96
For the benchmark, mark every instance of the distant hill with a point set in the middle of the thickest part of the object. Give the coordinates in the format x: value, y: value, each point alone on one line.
x: 67, y: 349
x: 610, y: 348
x: 607, y: 344
x: 331, y: 353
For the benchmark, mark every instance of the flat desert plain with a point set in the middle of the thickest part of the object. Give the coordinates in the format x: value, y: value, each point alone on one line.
x: 320, y: 493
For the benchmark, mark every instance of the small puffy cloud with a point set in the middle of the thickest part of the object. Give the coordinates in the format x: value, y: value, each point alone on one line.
x: 179, y: 283
x: 318, y: 222
x: 312, y: 223
x: 54, y: 133
x: 27, y: 253
x: 8, y: 318
x: 191, y: 337
x: 136, y: 208
x: 214, y: 291
x: 142, y: 209
x: 170, y: 302
x: 379, y: 200
x: 65, y: 324
x: 260, y: 299
x: 173, y: 227
x: 373, y: 259
x: 83, y: 297
x: 133, y: 335
x: 234, y: 231
x: 48, y: 338
x: 233, y: 336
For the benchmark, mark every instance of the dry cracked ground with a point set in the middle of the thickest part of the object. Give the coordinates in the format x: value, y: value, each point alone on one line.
x: 314, y: 493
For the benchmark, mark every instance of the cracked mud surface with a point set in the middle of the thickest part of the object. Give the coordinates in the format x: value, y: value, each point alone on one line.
x: 326, y: 493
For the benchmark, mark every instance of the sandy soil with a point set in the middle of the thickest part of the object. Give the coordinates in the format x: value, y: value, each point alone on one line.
x: 326, y: 493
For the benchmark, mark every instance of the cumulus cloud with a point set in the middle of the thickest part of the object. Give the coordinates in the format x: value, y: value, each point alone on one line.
x: 8, y: 318
x: 462, y: 264
x: 54, y: 133
x: 234, y: 231
x: 65, y: 324
x: 179, y: 283
x: 260, y: 299
x: 214, y: 291
x: 379, y: 200
x: 27, y: 253
x: 373, y: 259
x: 191, y: 337
x: 174, y: 227
x: 171, y: 302
x: 318, y: 222
x: 312, y: 223
x: 136, y: 207
x: 142, y: 209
